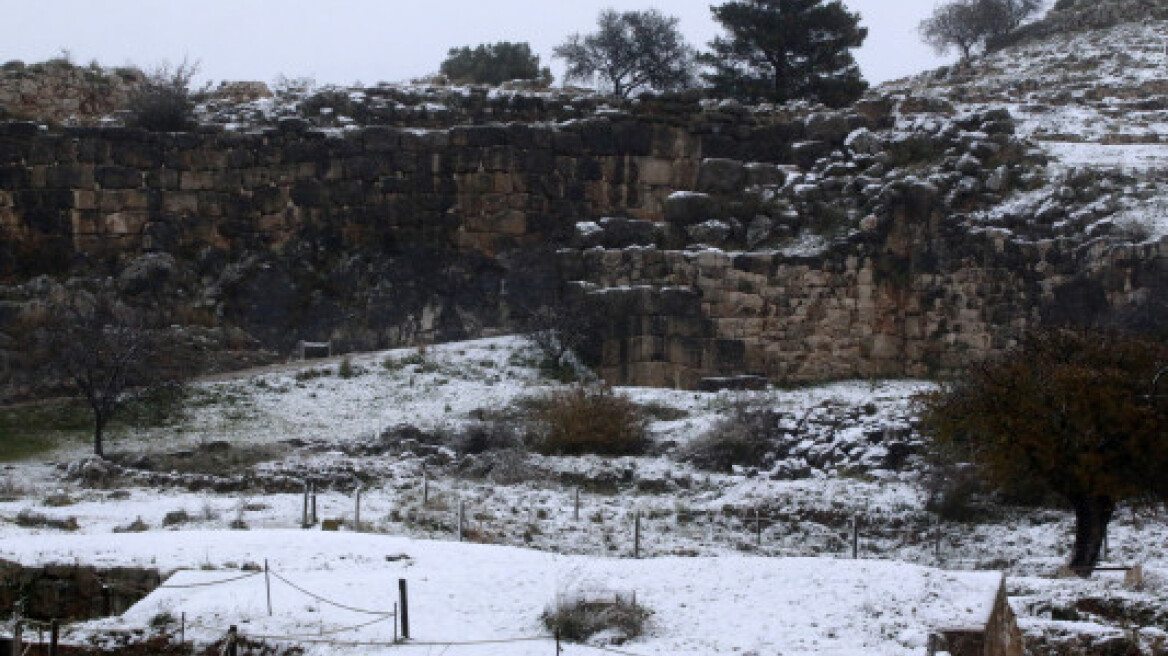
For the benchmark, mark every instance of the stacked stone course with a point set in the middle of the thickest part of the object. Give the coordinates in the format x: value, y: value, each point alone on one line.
x: 383, y: 236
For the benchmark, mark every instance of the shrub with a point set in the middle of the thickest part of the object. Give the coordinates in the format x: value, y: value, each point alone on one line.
x: 743, y: 437
x: 30, y: 519
x: 494, y: 64
x: 59, y: 499
x: 136, y: 526
x: 492, y: 433
x: 10, y: 490
x: 163, y: 103
x: 176, y: 517
x: 579, y: 618
x: 588, y: 419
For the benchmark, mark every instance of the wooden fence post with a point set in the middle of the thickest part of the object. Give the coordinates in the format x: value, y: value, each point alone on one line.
x: 107, y: 601
x: 357, y: 511
x: 425, y: 488
x: 304, y: 511
x: 268, y: 586
x: 313, y: 503
x: 757, y: 527
x: 576, y: 508
x: 403, y: 594
x: 17, y: 637
x: 855, y: 536
x: 54, y: 636
x: 232, y: 647
x: 637, y: 535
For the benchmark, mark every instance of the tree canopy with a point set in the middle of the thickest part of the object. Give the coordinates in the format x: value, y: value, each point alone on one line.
x: 102, y: 351
x: 782, y: 50
x: 494, y: 64
x: 968, y: 24
x: 631, y: 51
x: 1081, y: 412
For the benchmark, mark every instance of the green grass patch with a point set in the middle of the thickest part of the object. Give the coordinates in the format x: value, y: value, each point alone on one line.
x: 32, y: 429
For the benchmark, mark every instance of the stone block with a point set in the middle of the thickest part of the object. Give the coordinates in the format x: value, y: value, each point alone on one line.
x: 118, y: 177
x: 721, y: 176
x: 655, y: 172
x: 688, y: 208
x: 180, y: 202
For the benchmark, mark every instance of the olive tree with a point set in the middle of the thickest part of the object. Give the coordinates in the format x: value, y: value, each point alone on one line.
x: 631, y: 51
x: 968, y: 24
x: 1080, y: 412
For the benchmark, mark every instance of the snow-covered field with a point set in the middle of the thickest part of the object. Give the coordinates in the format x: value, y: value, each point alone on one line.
x: 474, y: 593
x: 718, y: 577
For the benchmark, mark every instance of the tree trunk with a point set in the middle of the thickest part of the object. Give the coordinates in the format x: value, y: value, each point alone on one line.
x: 1092, y: 514
x: 98, y: 430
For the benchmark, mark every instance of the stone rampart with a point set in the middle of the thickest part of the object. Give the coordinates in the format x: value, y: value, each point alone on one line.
x: 62, y: 93
x: 383, y: 236
x: 905, y: 299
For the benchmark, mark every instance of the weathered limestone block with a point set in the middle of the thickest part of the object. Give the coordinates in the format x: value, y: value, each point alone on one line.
x: 721, y: 176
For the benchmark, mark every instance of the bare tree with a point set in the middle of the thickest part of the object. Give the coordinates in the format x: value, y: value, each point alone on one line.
x: 631, y: 51
x: 93, y: 345
x: 163, y: 103
x: 969, y: 24
x: 954, y: 25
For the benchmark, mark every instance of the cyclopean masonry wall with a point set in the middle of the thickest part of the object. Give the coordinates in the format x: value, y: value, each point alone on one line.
x: 372, y: 237
x: 909, y: 297
x: 384, y: 236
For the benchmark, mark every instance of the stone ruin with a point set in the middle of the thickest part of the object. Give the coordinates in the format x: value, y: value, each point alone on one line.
x: 712, y: 240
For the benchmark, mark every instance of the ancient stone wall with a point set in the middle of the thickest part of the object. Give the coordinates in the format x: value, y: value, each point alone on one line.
x: 62, y: 93
x: 74, y: 592
x: 906, y: 298
x: 384, y: 236
x: 478, y: 188
x: 372, y: 237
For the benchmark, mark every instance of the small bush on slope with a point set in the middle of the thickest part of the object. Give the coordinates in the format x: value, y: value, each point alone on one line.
x: 742, y: 437
x: 586, y: 419
x: 578, y: 619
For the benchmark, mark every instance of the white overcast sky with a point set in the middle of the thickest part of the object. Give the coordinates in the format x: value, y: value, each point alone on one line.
x: 343, y: 41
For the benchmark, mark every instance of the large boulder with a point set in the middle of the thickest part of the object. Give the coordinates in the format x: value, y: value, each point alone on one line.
x: 686, y: 208
x: 721, y: 176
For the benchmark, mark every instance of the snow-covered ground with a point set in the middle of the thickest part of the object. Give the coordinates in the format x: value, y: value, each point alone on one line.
x: 471, y: 593
x: 718, y: 577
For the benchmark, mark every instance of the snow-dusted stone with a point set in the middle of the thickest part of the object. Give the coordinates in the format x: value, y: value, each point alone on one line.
x: 712, y: 232
x: 969, y: 165
x: 762, y: 174
x: 721, y: 176
x: 759, y: 230
x: 863, y: 142
x: 685, y: 208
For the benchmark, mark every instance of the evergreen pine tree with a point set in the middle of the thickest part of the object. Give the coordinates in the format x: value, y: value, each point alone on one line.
x: 783, y: 50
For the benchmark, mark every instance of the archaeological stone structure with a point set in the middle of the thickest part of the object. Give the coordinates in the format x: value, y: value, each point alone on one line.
x: 711, y: 240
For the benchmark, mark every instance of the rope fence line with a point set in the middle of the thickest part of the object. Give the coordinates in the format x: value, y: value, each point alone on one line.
x: 319, y: 636
x: 380, y: 613
x: 209, y: 583
x: 606, y: 649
